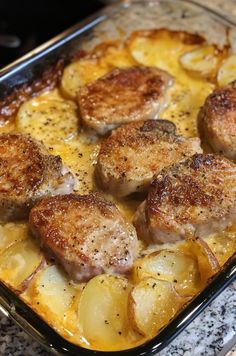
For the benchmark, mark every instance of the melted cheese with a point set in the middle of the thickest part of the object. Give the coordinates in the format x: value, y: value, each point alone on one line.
x: 79, y: 150
x: 79, y: 155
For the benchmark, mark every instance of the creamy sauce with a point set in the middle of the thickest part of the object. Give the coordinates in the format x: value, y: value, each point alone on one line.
x: 79, y: 150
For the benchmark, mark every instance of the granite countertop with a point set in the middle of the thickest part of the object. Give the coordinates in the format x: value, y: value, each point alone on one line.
x: 211, y: 333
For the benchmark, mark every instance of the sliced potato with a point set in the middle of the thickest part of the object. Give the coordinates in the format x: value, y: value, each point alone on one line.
x: 80, y: 73
x: 207, y: 262
x: 49, y: 118
x: 52, y: 294
x: 71, y: 323
x: 172, y: 266
x: 103, y: 312
x: 160, y: 48
x: 20, y: 261
x: 223, y: 246
x: 202, y: 61
x: 152, y: 304
x: 11, y: 233
x: 227, y: 72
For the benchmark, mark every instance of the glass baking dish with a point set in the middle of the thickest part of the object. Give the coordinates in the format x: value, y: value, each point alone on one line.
x: 116, y: 21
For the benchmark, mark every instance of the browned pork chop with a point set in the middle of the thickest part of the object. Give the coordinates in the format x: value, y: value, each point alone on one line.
x: 192, y: 198
x: 87, y: 234
x: 134, y: 152
x: 217, y: 121
x: 123, y: 95
x: 27, y: 173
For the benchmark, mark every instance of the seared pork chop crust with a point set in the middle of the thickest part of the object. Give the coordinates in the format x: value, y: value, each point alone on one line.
x: 134, y: 152
x: 28, y: 172
x: 217, y: 121
x: 123, y: 95
x: 87, y: 234
x: 193, y: 198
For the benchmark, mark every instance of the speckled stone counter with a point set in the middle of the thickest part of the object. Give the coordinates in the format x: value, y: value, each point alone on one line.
x: 211, y: 334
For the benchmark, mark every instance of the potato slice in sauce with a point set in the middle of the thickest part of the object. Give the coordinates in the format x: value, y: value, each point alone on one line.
x: 152, y: 303
x: 19, y: 262
x: 207, y: 261
x: 52, y: 295
x: 12, y: 233
x: 115, y: 56
x: 79, y: 73
x: 202, y: 61
x: 103, y: 312
x: 172, y: 266
x: 223, y: 246
x: 49, y: 117
x: 227, y: 72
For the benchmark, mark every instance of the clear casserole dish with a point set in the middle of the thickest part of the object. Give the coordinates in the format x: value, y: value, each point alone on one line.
x: 110, y: 24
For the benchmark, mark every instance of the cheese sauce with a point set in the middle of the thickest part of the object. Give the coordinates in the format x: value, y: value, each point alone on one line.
x: 53, y: 118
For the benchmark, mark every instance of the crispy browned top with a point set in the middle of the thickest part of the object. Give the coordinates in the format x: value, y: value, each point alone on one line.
x: 217, y: 120
x: 222, y: 100
x: 24, y: 166
x: 200, y: 188
x: 138, y: 150
x: 160, y: 126
x: 140, y: 133
x: 123, y: 95
x: 81, y: 229
x: 185, y: 37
